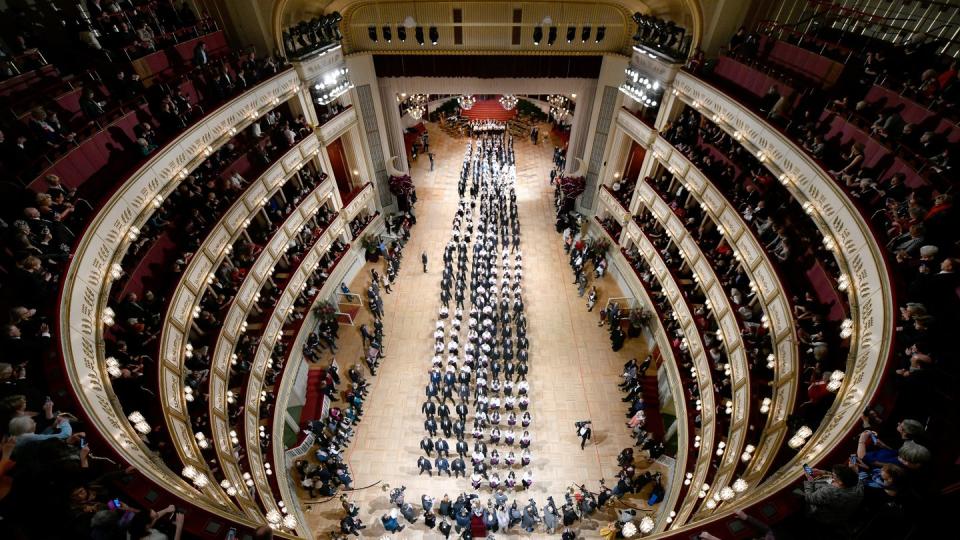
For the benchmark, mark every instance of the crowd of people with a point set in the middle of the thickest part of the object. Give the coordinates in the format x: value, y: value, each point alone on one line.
x: 49, y: 455
x: 47, y: 130
x: 495, y: 340
x: 913, y: 213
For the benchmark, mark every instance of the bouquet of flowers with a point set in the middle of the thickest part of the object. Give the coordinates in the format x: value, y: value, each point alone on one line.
x: 325, y: 311
x: 572, y: 187
x: 401, y: 185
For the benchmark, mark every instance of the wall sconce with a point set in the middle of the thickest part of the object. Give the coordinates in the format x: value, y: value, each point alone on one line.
x: 765, y: 405
x: 836, y: 381
x: 846, y: 328
x: 202, y: 441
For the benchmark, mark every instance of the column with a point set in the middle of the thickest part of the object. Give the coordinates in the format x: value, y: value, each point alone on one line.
x: 606, y: 104
x: 371, y: 123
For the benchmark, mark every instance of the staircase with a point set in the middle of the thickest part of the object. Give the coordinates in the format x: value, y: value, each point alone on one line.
x: 489, y: 109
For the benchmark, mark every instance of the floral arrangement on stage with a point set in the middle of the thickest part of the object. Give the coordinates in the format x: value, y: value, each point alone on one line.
x: 326, y: 311
x: 401, y: 185
x: 572, y: 187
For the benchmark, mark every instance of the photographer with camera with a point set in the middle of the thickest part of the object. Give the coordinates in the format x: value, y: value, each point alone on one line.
x: 584, y: 431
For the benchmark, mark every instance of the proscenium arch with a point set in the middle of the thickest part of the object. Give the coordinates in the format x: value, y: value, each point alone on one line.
x: 687, y: 13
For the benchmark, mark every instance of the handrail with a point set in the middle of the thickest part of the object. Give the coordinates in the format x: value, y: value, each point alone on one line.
x: 698, y: 354
x: 858, y: 253
x: 230, y: 330
x: 185, y: 302
x: 765, y: 281
x: 670, y: 354
x: 272, y: 331
x: 723, y: 313
x: 286, y: 383
x: 102, y: 244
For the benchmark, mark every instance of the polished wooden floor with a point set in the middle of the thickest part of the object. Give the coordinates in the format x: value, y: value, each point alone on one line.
x: 573, y: 372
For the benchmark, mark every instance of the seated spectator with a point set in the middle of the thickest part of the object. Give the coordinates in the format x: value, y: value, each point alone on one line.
x: 832, y: 497
x: 90, y: 106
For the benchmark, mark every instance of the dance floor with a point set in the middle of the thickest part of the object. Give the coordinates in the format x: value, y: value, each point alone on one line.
x: 573, y: 372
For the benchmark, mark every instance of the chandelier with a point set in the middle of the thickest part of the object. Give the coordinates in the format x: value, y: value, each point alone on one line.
x: 508, y: 102
x: 466, y: 102
x: 640, y: 88
x: 559, y: 106
x: 417, y: 106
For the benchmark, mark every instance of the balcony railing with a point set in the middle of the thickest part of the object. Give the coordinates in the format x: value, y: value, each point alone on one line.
x: 88, y: 279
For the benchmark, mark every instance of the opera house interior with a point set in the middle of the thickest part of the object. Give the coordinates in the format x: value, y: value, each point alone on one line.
x: 687, y: 266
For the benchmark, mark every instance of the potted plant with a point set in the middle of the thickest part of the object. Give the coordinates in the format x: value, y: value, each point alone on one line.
x: 370, y: 248
x: 639, y: 318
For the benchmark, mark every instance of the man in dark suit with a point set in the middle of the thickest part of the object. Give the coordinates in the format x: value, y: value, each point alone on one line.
x: 200, y: 56
x: 425, y: 466
x: 459, y: 467
x: 426, y: 445
x: 443, y: 466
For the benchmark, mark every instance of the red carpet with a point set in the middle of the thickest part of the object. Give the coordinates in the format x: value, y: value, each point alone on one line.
x: 489, y: 110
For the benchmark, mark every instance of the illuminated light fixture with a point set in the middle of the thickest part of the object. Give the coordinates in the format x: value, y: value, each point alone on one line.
x: 552, y: 35
x: 726, y: 493
x: 711, y: 504
x: 201, y: 481
x: 188, y: 393
x: 629, y: 530
x: 157, y: 201
x: 747, y: 453
x: 434, y: 35
x: 419, y: 34
x: 646, y: 524
x: 188, y: 350
x: 843, y: 282
x: 537, y: 35
x: 116, y: 270
x: 696, y: 442
x: 765, y: 405
x: 372, y: 32
x: 402, y: 33
x: 687, y: 479
x: 740, y: 485
x: 113, y: 367
x: 202, y: 441
x: 601, y: 32
x: 466, y: 102
x: 387, y: 34
x: 764, y: 321
x: 273, y: 518
x: 190, y: 472
x: 290, y: 522
x: 800, y: 437
x: 761, y: 157
x: 418, y: 106
x: 571, y: 33
x: 584, y: 34
x: 846, y: 328
x: 771, y: 361
x: 836, y: 381
x: 231, y: 398
x: 508, y: 102
x: 808, y: 207
x: 829, y: 243
x: 107, y: 317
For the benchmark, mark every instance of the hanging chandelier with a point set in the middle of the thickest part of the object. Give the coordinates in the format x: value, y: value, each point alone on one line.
x: 641, y: 88
x: 466, y: 102
x: 508, y: 102
x: 559, y: 106
x: 417, y: 106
